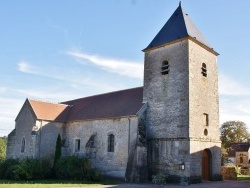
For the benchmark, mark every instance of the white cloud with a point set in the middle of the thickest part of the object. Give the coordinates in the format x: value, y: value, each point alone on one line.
x: 234, y: 100
x: 73, y: 77
x: 235, y: 108
x: 25, y: 67
x: 229, y: 86
x: 121, y: 67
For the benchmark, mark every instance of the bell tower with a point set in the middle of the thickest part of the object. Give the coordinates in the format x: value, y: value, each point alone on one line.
x: 181, y: 90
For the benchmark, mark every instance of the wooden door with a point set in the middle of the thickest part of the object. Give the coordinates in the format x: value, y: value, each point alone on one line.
x: 206, y: 164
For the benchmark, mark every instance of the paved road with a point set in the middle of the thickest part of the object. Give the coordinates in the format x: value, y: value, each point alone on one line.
x: 223, y: 184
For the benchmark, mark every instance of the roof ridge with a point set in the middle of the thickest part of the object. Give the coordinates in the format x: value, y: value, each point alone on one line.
x: 48, y: 102
x: 102, y: 94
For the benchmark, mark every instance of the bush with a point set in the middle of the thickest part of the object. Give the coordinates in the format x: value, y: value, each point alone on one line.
x: 217, y: 177
x: 6, y: 167
x: 76, y: 168
x: 25, y: 169
x: 195, y: 179
x: 159, y: 178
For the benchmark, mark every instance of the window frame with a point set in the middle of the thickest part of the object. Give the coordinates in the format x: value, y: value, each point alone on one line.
x: 77, y: 145
x: 206, y: 119
x: 165, y: 67
x: 111, y: 143
x: 23, y: 145
x: 204, y: 70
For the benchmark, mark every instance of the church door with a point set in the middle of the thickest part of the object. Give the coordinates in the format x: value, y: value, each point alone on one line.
x: 206, y: 162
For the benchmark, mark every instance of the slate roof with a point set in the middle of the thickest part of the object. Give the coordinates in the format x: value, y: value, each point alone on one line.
x: 234, y: 147
x: 49, y: 111
x: 109, y: 105
x: 177, y: 27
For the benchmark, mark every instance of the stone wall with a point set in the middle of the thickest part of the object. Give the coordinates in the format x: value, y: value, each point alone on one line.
x: 203, y: 94
x: 23, y: 128
x: 203, y: 99
x: 10, y: 151
x: 168, y: 110
x: 40, y: 136
x: 111, y: 163
x: 177, y: 104
x: 242, y: 158
x: 228, y: 173
x: 167, y: 95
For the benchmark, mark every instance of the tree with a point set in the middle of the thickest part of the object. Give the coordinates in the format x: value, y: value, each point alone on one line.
x: 3, y: 146
x: 233, y: 132
x: 58, y: 151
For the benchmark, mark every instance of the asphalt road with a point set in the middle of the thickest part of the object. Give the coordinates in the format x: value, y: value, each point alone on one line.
x: 208, y: 184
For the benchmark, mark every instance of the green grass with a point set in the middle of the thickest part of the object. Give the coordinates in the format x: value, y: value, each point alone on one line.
x: 243, y: 177
x: 53, y: 183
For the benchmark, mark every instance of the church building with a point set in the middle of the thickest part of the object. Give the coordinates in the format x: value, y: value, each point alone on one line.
x: 170, y: 125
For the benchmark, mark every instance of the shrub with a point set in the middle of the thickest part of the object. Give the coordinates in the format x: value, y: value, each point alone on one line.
x: 217, y: 177
x: 237, y: 170
x: 6, y: 167
x: 195, y: 179
x: 58, y: 151
x: 76, y: 168
x: 159, y: 178
x: 25, y: 169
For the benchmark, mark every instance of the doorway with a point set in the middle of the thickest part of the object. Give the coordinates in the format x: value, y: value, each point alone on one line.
x: 206, y: 164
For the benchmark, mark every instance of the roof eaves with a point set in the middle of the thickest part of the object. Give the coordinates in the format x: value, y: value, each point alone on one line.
x: 94, y: 119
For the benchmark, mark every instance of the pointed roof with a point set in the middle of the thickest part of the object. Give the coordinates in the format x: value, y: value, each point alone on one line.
x: 49, y: 111
x: 177, y: 27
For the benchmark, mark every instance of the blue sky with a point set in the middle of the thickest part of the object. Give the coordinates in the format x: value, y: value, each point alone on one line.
x: 61, y: 50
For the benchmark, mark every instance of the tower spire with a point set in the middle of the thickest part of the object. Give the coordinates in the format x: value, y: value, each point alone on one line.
x: 180, y: 3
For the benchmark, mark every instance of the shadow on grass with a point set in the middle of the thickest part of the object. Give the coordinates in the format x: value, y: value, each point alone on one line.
x: 51, y: 181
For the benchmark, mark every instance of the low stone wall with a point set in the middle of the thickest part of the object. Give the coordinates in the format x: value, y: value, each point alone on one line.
x: 228, y: 173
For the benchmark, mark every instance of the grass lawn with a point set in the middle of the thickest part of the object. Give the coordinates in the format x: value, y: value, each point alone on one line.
x: 53, y: 183
x: 243, y: 177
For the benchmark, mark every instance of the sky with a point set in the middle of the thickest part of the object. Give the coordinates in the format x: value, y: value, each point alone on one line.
x: 61, y: 50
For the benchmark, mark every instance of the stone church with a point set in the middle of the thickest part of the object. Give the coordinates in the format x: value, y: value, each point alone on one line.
x: 170, y: 125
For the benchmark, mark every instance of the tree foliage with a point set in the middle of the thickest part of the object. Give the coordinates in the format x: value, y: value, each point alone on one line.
x: 233, y: 132
x: 3, y: 146
x: 58, y: 151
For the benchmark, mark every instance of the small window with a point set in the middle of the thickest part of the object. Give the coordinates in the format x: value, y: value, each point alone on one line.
x: 77, y: 145
x: 164, y: 68
x: 205, y: 132
x: 204, y: 70
x: 23, y: 145
x: 241, y: 159
x: 111, y: 143
x: 205, y: 119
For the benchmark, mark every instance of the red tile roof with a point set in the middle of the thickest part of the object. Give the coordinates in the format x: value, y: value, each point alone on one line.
x: 110, y: 105
x: 49, y: 111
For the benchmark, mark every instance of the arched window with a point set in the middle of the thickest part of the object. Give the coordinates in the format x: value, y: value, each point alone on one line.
x: 204, y: 69
x: 164, y: 68
x: 23, y: 145
x: 111, y: 143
